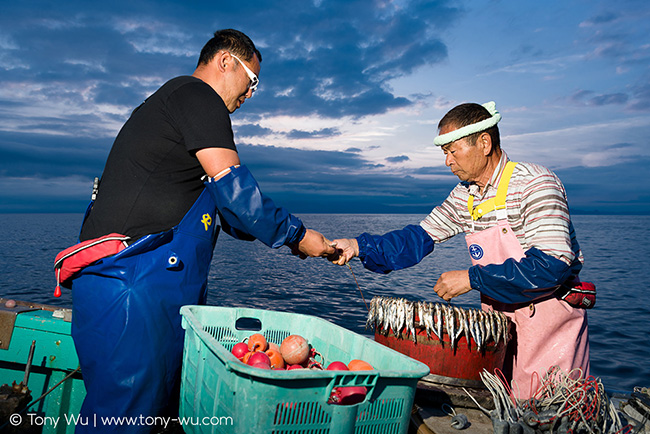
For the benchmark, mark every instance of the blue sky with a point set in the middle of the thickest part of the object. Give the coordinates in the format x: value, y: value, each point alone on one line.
x: 350, y: 94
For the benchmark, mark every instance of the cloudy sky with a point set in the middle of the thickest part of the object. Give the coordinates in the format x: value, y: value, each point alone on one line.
x: 350, y: 94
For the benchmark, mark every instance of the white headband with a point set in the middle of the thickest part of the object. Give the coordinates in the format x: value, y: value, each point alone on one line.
x: 467, y: 130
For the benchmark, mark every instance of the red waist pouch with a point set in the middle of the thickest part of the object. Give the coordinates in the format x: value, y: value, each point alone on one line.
x: 579, y: 294
x: 73, y: 259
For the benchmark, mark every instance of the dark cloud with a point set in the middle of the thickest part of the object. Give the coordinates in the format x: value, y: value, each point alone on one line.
x: 641, y: 97
x: 335, y: 63
x: 330, y: 59
x: 397, y: 159
x: 316, y: 134
x: 72, y: 72
x: 272, y: 160
x: 589, y: 98
x: 431, y: 171
x: 612, y: 98
x: 619, y: 36
x: 49, y: 156
x: 118, y: 94
x: 251, y: 130
x: 604, y: 18
x: 526, y: 51
x: 301, y: 180
x: 333, y: 181
x: 255, y: 130
x: 620, y: 146
x: 329, y: 181
x: 588, y: 194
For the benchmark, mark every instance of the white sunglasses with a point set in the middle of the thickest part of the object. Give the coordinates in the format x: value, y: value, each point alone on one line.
x: 251, y: 75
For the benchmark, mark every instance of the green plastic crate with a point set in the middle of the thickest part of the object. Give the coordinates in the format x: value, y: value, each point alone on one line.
x: 219, y: 394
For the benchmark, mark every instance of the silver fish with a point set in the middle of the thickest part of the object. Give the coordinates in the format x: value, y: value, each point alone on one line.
x: 478, y: 336
x: 393, y: 315
x: 472, y: 325
x: 379, y: 314
x: 392, y: 318
x: 499, y: 327
x: 450, y: 325
x: 465, y: 324
x: 401, y: 316
x: 488, y: 328
x: 398, y: 319
x: 445, y: 316
x: 410, y: 320
x: 481, y: 327
x: 452, y: 318
x: 420, y: 314
x: 439, y: 313
x: 370, y: 321
x: 459, y: 316
x: 395, y: 320
x: 428, y: 319
x: 493, y: 328
x: 386, y: 321
x: 506, y: 322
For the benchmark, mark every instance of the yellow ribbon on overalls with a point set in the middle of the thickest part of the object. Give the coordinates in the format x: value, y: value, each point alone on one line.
x: 497, y: 202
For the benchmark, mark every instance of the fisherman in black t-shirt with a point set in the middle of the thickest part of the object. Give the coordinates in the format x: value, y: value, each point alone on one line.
x: 126, y: 323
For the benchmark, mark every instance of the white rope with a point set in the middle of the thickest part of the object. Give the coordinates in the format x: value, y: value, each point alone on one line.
x: 561, y: 395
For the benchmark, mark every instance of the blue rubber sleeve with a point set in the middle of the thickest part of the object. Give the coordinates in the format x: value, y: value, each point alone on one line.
x: 244, y: 208
x: 395, y: 250
x: 535, y: 276
x: 233, y: 232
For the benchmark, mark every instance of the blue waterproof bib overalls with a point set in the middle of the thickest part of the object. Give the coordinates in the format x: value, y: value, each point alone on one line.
x: 126, y: 322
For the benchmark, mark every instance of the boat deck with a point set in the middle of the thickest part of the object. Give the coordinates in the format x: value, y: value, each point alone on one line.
x: 436, y: 402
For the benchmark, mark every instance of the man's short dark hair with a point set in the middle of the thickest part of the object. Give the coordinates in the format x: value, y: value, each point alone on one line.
x: 467, y: 114
x: 229, y: 40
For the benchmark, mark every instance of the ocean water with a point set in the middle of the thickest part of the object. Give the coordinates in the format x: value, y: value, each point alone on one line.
x: 249, y: 274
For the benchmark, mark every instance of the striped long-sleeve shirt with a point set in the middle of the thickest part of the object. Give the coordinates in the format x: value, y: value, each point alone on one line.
x: 536, y: 207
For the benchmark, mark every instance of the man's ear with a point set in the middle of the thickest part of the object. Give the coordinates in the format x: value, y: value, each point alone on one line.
x: 221, y: 60
x: 485, y: 141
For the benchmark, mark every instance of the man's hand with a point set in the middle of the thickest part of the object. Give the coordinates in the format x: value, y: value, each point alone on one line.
x: 313, y: 244
x: 452, y: 284
x: 346, y: 249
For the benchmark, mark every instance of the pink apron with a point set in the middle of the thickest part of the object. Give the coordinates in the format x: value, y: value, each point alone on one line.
x: 548, y: 332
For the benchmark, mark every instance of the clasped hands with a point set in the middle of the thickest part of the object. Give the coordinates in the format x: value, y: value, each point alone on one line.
x: 340, y: 251
x: 314, y: 244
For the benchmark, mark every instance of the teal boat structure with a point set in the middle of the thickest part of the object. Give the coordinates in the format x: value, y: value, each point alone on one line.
x: 42, y: 390
x: 42, y: 387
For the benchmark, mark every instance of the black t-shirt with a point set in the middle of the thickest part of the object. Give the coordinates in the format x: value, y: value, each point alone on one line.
x: 152, y: 176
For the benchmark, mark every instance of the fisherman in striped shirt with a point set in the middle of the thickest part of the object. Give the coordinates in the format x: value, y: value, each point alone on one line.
x: 520, y: 238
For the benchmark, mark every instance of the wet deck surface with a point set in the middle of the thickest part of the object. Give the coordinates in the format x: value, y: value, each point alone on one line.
x: 439, y: 422
x: 435, y: 404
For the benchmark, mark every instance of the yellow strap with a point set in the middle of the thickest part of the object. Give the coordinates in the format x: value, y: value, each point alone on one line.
x: 497, y: 202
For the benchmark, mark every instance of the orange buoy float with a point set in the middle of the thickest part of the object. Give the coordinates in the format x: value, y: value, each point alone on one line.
x: 359, y: 365
x: 295, y: 350
x: 257, y: 342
